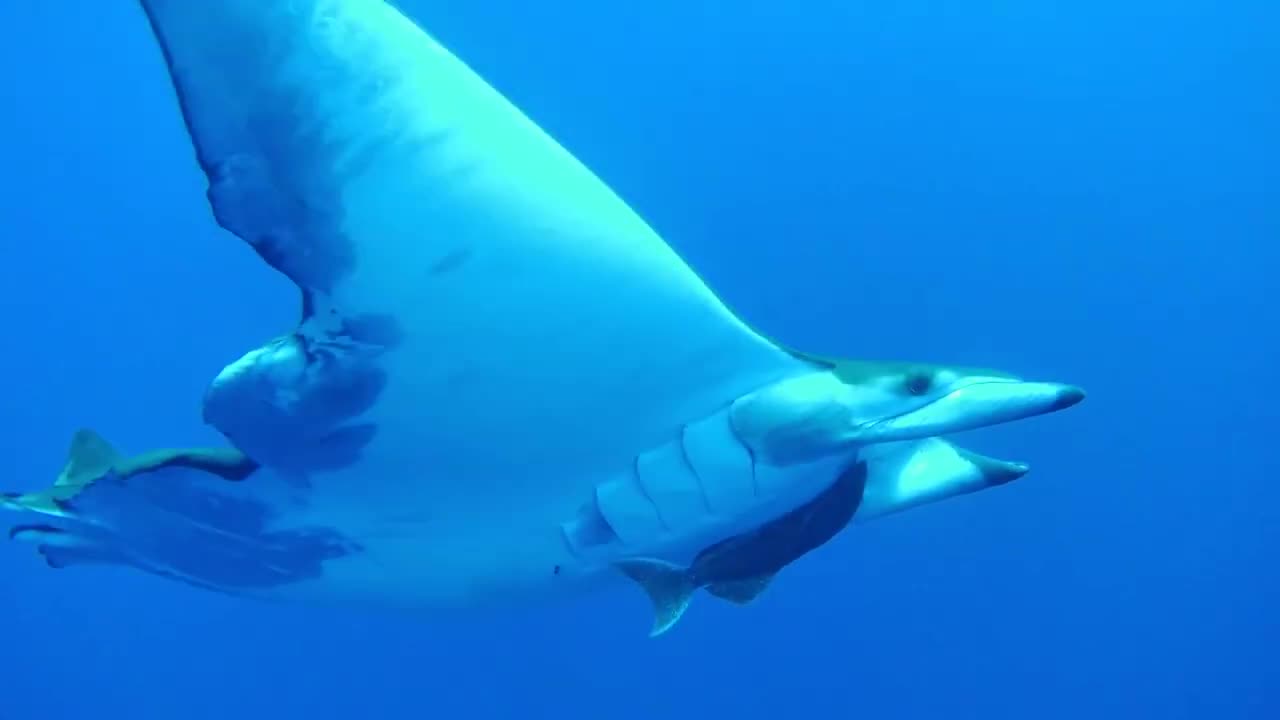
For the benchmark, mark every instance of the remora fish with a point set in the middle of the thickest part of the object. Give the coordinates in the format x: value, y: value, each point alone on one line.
x: 740, y: 568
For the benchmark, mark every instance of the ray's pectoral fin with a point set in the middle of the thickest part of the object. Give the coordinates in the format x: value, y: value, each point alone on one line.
x: 669, y: 587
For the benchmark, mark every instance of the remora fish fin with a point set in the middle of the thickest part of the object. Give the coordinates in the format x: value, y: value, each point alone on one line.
x: 89, y: 457
x: 741, y: 592
x: 668, y: 585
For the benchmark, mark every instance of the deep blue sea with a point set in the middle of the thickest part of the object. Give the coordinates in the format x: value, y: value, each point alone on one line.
x: 1086, y: 192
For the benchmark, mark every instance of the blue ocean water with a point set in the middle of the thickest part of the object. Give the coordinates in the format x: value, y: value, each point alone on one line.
x: 1086, y: 192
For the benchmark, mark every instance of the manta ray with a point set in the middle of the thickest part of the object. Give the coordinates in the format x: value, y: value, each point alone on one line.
x: 503, y: 383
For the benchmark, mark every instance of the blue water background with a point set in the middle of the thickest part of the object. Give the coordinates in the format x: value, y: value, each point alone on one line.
x: 1085, y: 192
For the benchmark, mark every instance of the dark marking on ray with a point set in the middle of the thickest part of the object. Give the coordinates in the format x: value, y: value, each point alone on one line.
x: 639, y: 481
x: 289, y: 234
x: 313, y: 429
x: 275, y: 171
x: 688, y: 462
x: 263, y: 169
x: 450, y: 262
x: 380, y: 330
x: 336, y: 392
x: 755, y: 481
x: 52, y: 558
x: 342, y: 447
x: 309, y: 305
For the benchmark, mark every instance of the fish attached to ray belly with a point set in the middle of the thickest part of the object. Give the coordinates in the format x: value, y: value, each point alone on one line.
x: 739, y: 568
x: 886, y: 479
x: 186, y: 514
x: 90, y: 458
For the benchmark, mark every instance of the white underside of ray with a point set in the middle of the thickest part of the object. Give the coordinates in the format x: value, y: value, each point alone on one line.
x: 549, y: 335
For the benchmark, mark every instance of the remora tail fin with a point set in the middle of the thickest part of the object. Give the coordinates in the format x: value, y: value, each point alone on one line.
x: 668, y: 585
x: 89, y: 459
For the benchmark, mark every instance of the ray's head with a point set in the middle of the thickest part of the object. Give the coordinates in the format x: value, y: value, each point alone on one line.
x: 904, y: 401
